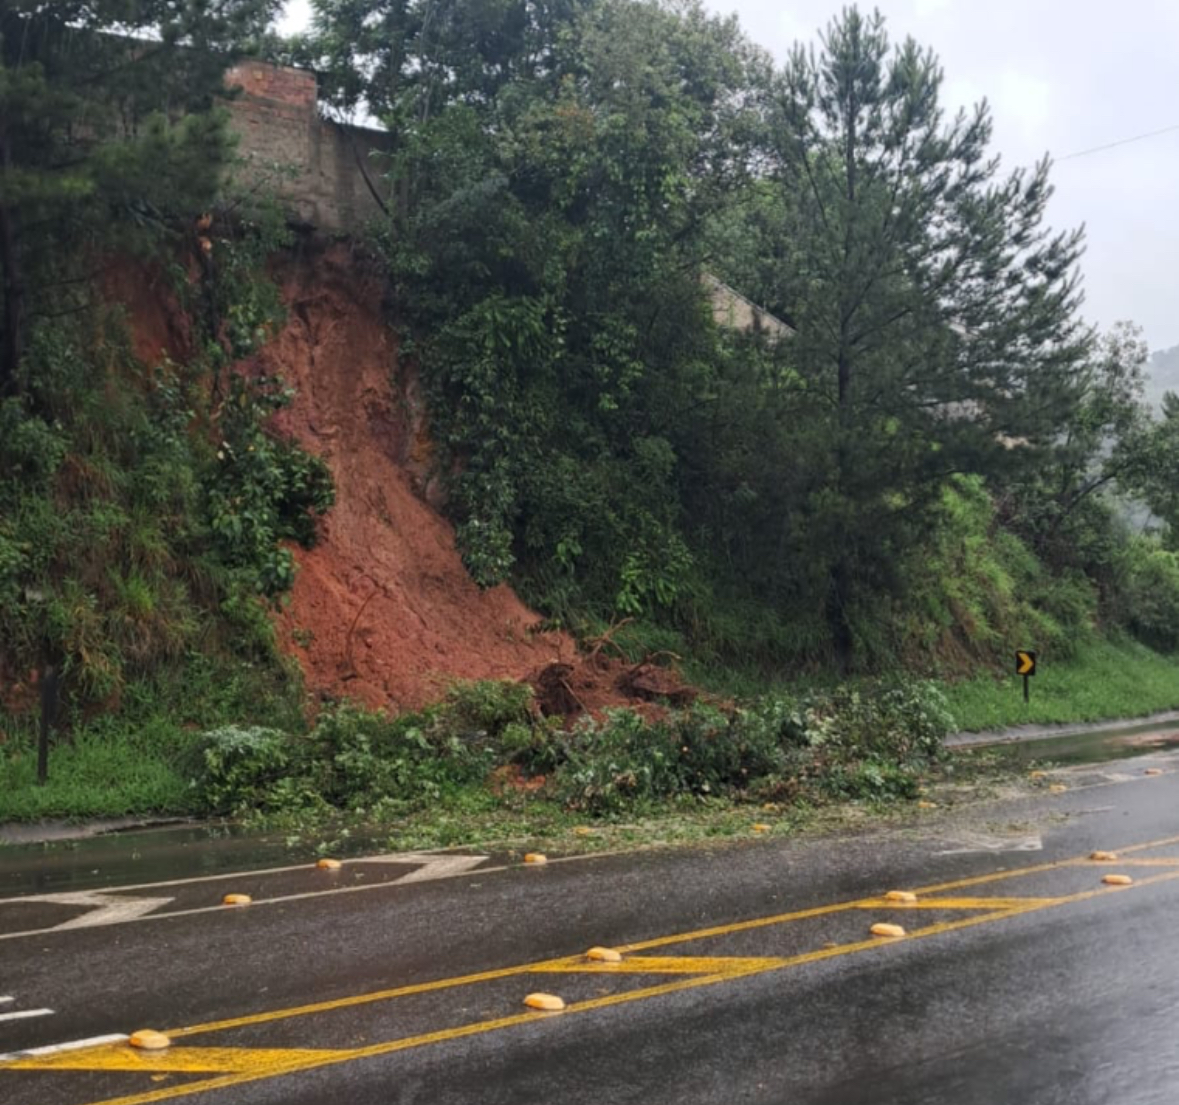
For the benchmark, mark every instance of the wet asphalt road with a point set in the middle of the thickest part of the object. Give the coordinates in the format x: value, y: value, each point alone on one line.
x: 1032, y: 983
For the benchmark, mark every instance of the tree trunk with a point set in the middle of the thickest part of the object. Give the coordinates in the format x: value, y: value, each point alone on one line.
x: 12, y: 340
x: 12, y: 344
x: 839, y: 580
x: 838, y: 625
x: 50, y: 688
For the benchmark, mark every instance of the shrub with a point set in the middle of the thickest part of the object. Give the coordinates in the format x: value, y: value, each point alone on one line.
x: 240, y: 765
x: 1149, y: 593
x: 355, y: 758
x: 861, y: 743
x: 617, y: 761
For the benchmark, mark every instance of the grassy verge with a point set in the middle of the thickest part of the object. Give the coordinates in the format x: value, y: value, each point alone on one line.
x: 485, y: 753
x: 1106, y: 680
x: 139, y: 761
x: 100, y: 773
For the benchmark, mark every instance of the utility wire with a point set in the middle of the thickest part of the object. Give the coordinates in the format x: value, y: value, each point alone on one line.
x: 1120, y: 142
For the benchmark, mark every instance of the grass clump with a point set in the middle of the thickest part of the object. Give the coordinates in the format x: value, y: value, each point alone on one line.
x: 1105, y: 679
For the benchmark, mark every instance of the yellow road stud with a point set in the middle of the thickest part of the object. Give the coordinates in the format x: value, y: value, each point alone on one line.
x: 1103, y: 857
x: 328, y: 864
x: 236, y: 899
x: 547, y: 1003
x: 535, y: 857
x: 604, y: 955
x: 882, y: 928
x: 903, y: 897
x: 149, y: 1040
x: 1118, y: 880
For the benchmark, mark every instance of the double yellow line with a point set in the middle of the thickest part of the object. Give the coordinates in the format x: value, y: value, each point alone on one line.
x: 244, y: 1065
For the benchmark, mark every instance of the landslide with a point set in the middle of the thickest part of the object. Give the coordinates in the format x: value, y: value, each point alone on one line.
x: 383, y: 610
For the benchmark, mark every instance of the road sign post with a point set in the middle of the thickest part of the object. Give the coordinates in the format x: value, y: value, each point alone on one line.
x: 1025, y: 665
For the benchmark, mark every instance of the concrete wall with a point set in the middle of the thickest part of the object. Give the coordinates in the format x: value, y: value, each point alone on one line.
x: 315, y: 164
x: 730, y: 308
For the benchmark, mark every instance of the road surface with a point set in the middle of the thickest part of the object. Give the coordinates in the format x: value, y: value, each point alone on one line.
x: 748, y: 972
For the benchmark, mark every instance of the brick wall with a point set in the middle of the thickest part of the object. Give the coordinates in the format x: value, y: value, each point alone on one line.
x: 311, y: 162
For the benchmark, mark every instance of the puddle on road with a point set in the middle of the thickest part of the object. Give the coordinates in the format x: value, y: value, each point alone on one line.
x: 1088, y: 748
x: 151, y: 855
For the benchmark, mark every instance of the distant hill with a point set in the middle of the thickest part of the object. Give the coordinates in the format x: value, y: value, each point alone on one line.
x: 1162, y: 374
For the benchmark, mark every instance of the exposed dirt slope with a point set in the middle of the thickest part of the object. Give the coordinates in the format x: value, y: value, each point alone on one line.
x: 382, y: 610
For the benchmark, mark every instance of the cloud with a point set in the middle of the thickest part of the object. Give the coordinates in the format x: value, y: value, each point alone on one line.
x: 925, y: 8
x: 1026, y: 101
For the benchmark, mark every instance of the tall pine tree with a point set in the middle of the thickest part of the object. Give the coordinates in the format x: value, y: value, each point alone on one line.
x: 936, y: 316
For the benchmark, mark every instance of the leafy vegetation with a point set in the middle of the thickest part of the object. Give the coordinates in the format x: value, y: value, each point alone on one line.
x: 938, y: 462
x: 143, y: 506
x: 868, y: 743
x: 560, y: 179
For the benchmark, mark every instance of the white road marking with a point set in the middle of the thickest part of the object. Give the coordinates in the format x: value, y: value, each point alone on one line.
x: 6, y: 998
x: 394, y: 857
x: 112, y: 907
x: 21, y: 1014
x: 433, y: 866
x: 105, y: 907
x: 284, y: 898
x: 72, y: 1045
x: 980, y: 842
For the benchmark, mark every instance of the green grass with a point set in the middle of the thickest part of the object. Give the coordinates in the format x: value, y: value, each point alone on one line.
x: 99, y: 774
x: 1106, y: 680
x: 116, y: 767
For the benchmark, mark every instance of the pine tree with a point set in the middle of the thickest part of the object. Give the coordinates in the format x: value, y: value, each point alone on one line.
x: 936, y: 315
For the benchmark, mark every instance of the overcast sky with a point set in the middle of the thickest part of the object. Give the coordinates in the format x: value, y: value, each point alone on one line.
x: 1062, y: 76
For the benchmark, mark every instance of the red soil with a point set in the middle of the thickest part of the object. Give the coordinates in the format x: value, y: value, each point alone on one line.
x: 383, y: 610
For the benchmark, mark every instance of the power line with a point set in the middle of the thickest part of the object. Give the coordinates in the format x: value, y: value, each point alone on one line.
x: 1120, y: 142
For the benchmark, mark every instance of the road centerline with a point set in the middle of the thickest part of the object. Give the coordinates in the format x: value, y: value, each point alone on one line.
x: 252, y: 1064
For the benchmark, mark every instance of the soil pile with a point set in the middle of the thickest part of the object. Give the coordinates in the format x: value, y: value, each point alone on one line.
x: 590, y: 684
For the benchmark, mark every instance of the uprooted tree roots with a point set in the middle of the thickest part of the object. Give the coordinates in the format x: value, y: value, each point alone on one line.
x: 592, y: 683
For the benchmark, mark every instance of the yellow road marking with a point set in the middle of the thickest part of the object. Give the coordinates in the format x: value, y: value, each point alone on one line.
x: 280, y: 1061
x: 482, y: 1027
x: 1168, y: 862
x: 727, y: 966
x: 121, y: 1057
x: 959, y: 903
x: 642, y: 945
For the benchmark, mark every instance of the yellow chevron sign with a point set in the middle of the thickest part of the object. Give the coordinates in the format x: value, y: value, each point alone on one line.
x: 1025, y: 662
